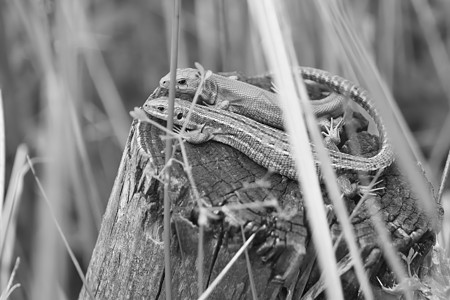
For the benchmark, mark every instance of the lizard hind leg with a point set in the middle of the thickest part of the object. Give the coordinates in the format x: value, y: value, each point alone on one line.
x: 224, y: 105
x: 370, y: 190
x: 349, y: 189
x: 331, y: 130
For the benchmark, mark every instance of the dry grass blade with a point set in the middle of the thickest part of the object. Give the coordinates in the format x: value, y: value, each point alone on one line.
x: 344, y: 265
x: 444, y: 178
x: 37, y: 33
x: 202, y: 222
x: 267, y: 21
x: 388, y: 18
x: 94, y: 205
x: 249, y: 269
x: 203, y: 76
x: 443, y: 237
x: 363, y: 64
x: 184, y: 31
x: 140, y: 115
x: 206, y: 32
x: 57, y: 64
x: 389, y: 252
x: 46, y: 243
x: 441, y: 61
x: 400, y: 136
x: 9, y: 214
x: 223, y: 34
x: 58, y: 227
x: 2, y: 154
x: 225, y: 270
x: 10, y: 288
x: 168, y: 149
x: 357, y: 208
x: 75, y: 15
x: 436, y: 46
x: 339, y: 206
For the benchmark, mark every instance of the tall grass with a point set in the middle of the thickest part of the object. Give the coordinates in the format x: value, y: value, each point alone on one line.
x: 74, y: 70
x: 168, y: 151
x: 2, y: 153
x: 277, y: 48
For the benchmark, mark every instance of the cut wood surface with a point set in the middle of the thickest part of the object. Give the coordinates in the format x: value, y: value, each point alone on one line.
x: 128, y: 260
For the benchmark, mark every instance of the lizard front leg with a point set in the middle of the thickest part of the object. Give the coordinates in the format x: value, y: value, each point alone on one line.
x: 200, y: 134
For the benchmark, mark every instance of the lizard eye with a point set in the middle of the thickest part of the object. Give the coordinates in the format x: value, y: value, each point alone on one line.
x: 182, y: 81
x: 180, y: 116
x: 160, y: 108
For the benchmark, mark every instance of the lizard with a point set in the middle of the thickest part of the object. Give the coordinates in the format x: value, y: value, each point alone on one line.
x: 265, y: 145
x: 246, y: 99
x: 259, y: 104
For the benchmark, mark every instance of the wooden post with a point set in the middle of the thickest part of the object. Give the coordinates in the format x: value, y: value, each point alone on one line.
x: 128, y: 263
x: 128, y: 260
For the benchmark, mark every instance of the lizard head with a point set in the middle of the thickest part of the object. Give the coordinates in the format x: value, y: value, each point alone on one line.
x: 187, y: 81
x: 159, y: 108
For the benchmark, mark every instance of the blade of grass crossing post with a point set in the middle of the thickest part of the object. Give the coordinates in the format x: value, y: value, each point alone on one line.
x: 363, y: 65
x: 265, y: 16
x: 168, y: 149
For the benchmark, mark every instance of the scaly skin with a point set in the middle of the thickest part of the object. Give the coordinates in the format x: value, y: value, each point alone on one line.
x: 220, y: 89
x: 267, y: 146
x: 246, y: 99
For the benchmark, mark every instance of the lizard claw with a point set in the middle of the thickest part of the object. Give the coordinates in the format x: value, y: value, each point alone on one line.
x: 332, y: 132
x: 274, y: 88
x: 349, y: 189
x: 365, y: 189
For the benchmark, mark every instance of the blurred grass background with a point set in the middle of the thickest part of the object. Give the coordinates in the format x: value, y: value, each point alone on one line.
x: 70, y: 72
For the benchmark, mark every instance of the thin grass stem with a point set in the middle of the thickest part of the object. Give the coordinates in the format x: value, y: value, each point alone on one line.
x: 168, y: 148
x: 10, y: 288
x: 14, y: 191
x: 249, y: 269
x: 277, y: 54
x: 60, y: 231
x: 444, y: 179
x: 225, y: 270
x: 2, y: 154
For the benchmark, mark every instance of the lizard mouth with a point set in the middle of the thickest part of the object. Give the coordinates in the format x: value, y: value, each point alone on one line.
x: 176, y: 128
